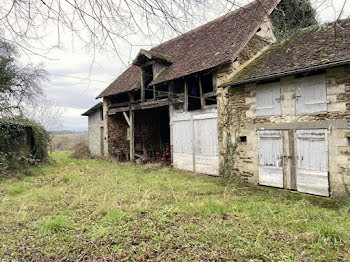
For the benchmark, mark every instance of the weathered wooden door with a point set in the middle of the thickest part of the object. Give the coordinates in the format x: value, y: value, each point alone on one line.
x: 312, y: 161
x: 195, y: 141
x: 206, y: 143
x: 182, y: 143
x: 270, y: 158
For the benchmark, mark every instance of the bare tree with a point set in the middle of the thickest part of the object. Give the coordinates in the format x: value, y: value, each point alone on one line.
x: 46, y: 112
x: 102, y: 23
x: 19, y: 85
x: 107, y: 24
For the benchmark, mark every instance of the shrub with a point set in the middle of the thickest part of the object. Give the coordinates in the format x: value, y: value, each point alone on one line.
x: 22, y: 143
x: 81, y: 151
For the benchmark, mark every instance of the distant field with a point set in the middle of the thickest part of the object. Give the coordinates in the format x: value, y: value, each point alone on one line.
x: 92, y: 210
x: 65, y: 141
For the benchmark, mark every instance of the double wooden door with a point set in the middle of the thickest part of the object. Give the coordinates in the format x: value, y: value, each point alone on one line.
x: 294, y: 159
x: 195, y: 141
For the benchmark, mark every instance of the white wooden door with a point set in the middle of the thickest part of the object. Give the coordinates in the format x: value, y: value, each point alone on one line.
x: 311, y: 94
x: 195, y: 141
x: 312, y: 162
x: 270, y: 158
x: 267, y: 99
x: 182, y: 143
x: 206, y: 143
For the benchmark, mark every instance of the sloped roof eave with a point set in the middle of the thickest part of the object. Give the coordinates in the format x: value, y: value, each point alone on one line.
x: 286, y: 73
x: 205, y: 47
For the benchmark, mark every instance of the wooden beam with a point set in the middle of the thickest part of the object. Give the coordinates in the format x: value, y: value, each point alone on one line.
x: 201, y: 92
x: 186, y: 95
x: 210, y: 106
x: 126, y: 118
x: 113, y: 111
x: 209, y: 94
x: 119, y: 104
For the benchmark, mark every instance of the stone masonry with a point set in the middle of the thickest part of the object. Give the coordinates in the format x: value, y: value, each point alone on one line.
x: 237, y: 118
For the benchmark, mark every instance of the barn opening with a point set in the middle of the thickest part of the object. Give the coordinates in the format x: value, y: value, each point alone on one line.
x: 152, y: 134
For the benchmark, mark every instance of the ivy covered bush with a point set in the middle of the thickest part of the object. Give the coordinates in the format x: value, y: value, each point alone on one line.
x: 22, y: 143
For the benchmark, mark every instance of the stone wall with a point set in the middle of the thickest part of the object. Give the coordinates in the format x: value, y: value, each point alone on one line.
x: 237, y: 118
x: 105, y: 126
x: 95, y: 139
x: 117, y: 135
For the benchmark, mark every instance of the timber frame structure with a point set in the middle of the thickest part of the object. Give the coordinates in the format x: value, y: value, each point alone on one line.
x: 166, y: 101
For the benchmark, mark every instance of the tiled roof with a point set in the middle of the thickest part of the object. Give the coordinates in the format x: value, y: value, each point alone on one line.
x: 92, y: 109
x: 207, y: 46
x: 317, y: 46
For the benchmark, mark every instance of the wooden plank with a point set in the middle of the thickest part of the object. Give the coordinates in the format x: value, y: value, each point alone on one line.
x: 267, y: 99
x: 312, y: 169
x: 183, y: 161
x: 312, y: 94
x: 293, y: 164
x: 119, y: 104
x: 193, y: 144
x: 207, y: 165
x: 287, y: 159
x: 205, y: 137
x: 270, y: 158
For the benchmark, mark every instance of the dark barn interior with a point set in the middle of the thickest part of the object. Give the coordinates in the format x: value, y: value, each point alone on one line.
x: 151, y: 135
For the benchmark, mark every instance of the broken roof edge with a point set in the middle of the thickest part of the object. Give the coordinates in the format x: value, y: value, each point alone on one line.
x: 122, y: 86
x: 152, y: 55
x: 93, y: 109
x: 286, y: 73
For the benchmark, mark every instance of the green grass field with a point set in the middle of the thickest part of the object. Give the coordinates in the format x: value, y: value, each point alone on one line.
x: 84, y: 210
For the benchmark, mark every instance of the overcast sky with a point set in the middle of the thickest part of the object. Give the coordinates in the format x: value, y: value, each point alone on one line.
x: 76, y: 76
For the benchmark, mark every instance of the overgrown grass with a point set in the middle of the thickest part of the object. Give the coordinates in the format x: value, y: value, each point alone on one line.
x: 91, y: 210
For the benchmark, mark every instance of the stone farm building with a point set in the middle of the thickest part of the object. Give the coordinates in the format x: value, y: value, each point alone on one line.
x: 95, y: 129
x: 223, y: 98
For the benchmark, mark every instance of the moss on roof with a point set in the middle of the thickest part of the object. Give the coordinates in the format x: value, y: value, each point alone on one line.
x: 312, y: 46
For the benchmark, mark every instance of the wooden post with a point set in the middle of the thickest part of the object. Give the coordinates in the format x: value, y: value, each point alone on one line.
x: 186, y: 95
x: 201, y: 92
x: 142, y: 87
x: 154, y: 92
x: 132, y: 131
x: 171, y: 90
x: 214, y: 75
